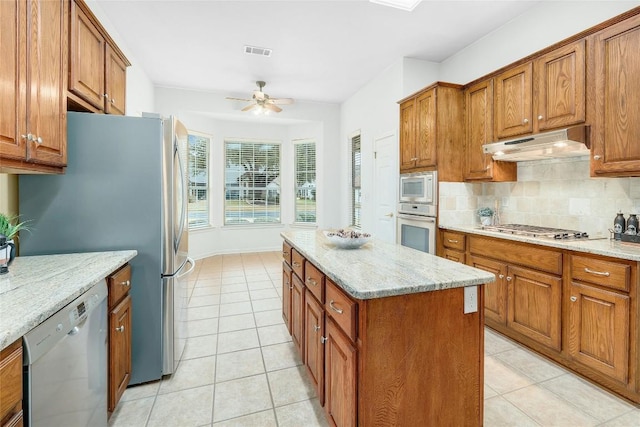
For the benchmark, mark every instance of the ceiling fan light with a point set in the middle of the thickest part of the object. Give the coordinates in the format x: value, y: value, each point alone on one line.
x: 407, y: 5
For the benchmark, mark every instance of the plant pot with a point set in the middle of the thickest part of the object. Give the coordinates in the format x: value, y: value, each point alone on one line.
x: 486, y: 220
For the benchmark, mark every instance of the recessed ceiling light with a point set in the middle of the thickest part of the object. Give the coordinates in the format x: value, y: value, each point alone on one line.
x: 407, y: 5
x: 255, y: 50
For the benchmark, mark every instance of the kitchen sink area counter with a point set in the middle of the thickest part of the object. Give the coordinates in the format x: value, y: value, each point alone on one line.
x: 36, y: 287
x: 380, y: 269
x: 388, y: 335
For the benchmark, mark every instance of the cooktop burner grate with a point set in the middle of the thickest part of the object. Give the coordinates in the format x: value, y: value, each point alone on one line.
x: 535, y: 231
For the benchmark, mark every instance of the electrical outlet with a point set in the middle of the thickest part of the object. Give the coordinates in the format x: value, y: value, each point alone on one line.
x: 505, y: 202
x: 470, y: 299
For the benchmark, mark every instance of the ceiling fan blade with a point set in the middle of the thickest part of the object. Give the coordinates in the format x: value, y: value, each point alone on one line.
x: 249, y: 107
x: 238, y: 99
x: 281, y: 101
x: 272, y: 107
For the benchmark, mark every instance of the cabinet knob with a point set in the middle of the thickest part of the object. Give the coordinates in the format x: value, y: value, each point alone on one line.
x: 120, y: 328
x: 311, y: 282
x: 597, y: 157
x: 28, y: 137
x: 37, y: 140
x: 525, y: 121
x: 323, y: 340
x: 126, y: 283
x: 573, y: 299
x: 285, y: 254
x: 509, y: 278
x: 540, y: 117
x: 296, y: 264
x: 316, y: 328
x: 105, y: 95
x: 113, y: 101
x: 501, y: 276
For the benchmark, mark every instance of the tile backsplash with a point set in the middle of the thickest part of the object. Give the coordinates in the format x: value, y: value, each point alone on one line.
x: 552, y: 193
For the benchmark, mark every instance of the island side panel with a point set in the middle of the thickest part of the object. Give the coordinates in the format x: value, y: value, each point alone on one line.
x: 421, y: 360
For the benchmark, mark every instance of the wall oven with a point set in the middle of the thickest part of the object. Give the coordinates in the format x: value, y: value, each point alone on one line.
x: 417, y: 210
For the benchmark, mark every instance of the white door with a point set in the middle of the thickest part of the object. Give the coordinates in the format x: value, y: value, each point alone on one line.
x: 386, y: 186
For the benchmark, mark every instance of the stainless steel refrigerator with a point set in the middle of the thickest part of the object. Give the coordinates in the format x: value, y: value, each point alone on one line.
x: 125, y: 187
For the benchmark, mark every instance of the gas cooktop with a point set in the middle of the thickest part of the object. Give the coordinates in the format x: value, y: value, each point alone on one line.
x: 535, y: 231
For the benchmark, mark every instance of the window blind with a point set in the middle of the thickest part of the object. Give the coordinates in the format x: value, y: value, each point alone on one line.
x: 252, y: 182
x: 356, y: 174
x: 305, y: 175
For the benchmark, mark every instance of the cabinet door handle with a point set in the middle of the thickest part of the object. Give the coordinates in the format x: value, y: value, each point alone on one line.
x: 452, y: 241
x: 540, y: 117
x: 105, y: 95
x: 509, y: 278
x: 126, y: 283
x: 334, y: 308
x: 323, y: 340
x: 597, y: 157
x: 500, y: 276
x: 113, y: 101
x: 311, y: 282
x: 296, y: 264
x: 525, y: 121
x: 573, y: 299
x: 37, y: 140
x: 316, y: 328
x: 120, y: 329
x: 597, y: 273
x: 285, y: 254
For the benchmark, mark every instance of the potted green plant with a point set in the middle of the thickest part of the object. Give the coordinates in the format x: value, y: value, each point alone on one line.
x: 9, y: 226
x: 486, y: 216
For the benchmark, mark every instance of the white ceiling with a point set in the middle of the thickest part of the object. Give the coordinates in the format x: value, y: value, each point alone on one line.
x: 323, y: 50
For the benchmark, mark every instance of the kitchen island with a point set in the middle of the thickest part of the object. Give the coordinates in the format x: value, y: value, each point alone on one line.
x: 384, y: 331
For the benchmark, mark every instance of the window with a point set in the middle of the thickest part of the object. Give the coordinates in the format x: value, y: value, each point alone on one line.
x: 305, y: 173
x: 198, y: 164
x: 252, y: 182
x: 356, y: 170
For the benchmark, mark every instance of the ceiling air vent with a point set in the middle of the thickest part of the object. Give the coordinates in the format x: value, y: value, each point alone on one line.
x: 254, y: 50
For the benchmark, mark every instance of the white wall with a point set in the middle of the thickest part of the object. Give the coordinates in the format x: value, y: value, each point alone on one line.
x: 210, y: 113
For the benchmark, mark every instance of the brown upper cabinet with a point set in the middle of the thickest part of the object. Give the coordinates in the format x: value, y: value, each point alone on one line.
x: 33, y: 108
x: 479, y: 131
x: 543, y: 94
x: 614, y: 99
x: 431, y: 131
x: 97, y: 68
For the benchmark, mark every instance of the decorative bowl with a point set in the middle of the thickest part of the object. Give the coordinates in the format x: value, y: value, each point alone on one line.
x: 347, y: 239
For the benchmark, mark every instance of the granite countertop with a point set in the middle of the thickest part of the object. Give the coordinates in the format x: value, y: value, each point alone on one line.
x: 380, y: 269
x: 36, y: 287
x: 605, y: 246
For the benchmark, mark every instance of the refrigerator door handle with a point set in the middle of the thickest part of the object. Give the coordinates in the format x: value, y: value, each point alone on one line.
x: 193, y: 265
x: 183, y: 208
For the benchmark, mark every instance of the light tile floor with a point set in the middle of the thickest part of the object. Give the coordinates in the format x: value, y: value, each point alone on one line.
x: 240, y: 368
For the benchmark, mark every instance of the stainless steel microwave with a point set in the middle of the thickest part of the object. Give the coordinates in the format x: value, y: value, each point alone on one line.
x: 419, y: 187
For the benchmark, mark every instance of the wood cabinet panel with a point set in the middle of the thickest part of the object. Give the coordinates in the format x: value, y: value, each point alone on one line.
x: 297, y: 315
x: 537, y: 257
x: 559, y: 88
x: 86, y: 76
x: 115, y: 82
x: 407, y: 135
x: 119, y: 350
x: 287, y: 287
x: 341, y: 309
x: 495, y: 294
x: 609, y: 273
x: 425, y: 129
x: 513, y: 101
x: 615, y: 99
x: 453, y: 255
x: 11, y: 382
x: 297, y: 263
x: 341, y: 376
x: 314, y: 347
x: 286, y: 252
x: 454, y: 240
x: 534, y: 305
x: 119, y: 285
x: 599, y: 330
x: 314, y: 281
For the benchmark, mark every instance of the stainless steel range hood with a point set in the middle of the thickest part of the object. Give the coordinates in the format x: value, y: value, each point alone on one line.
x: 569, y: 142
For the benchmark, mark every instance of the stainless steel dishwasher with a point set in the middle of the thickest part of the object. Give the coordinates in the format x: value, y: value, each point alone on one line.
x: 65, y: 365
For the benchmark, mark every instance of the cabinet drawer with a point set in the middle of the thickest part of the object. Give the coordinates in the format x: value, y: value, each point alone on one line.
x: 119, y: 285
x: 10, y: 379
x: 297, y: 262
x: 314, y: 281
x: 341, y: 309
x: 453, y: 240
x: 533, y: 256
x: 453, y: 255
x: 601, y: 272
x: 286, y: 252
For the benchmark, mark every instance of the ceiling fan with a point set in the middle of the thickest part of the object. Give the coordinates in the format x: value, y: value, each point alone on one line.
x: 262, y: 101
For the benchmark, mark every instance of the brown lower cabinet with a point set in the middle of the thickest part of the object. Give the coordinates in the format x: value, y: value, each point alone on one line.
x: 11, y: 385
x: 401, y: 360
x: 579, y: 309
x: 119, y: 372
